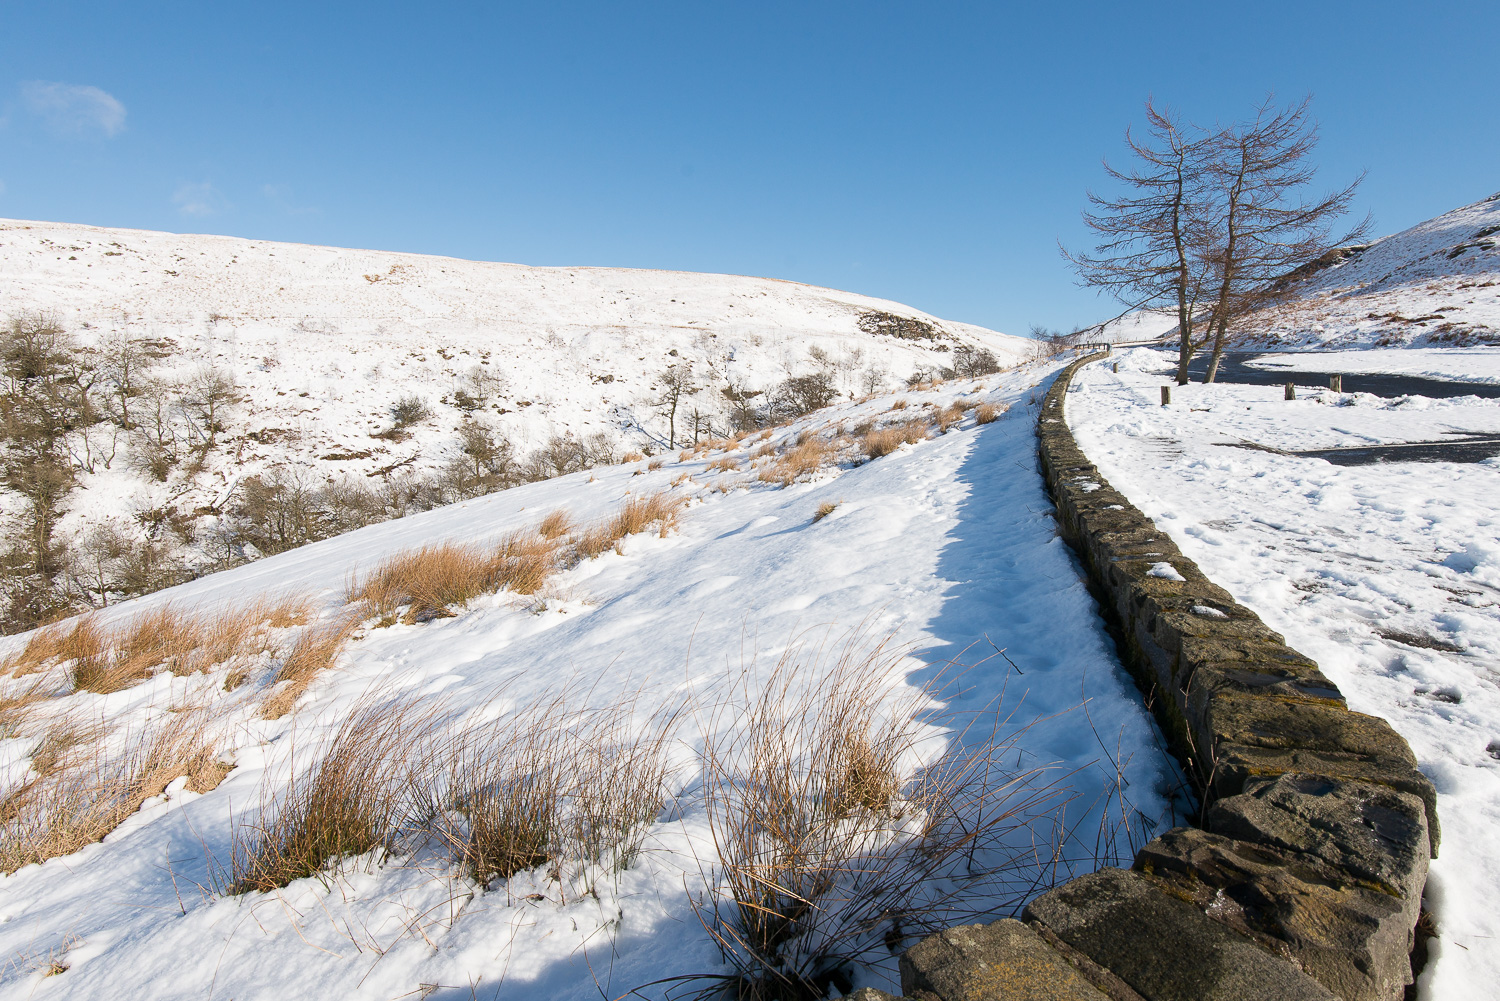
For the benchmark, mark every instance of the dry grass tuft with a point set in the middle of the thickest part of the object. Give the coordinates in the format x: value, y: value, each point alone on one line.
x: 824, y: 510
x: 636, y: 515
x: 899, y: 405
x: 556, y: 524
x: 79, y: 791
x: 552, y: 785
x: 987, y: 413
x: 727, y: 464
x: 351, y: 803
x: 654, y: 465
x: 949, y: 416
x: 429, y: 580
x: 318, y: 646
x: 632, y: 456
x: 840, y: 832
x: 886, y: 440
x: 795, y: 463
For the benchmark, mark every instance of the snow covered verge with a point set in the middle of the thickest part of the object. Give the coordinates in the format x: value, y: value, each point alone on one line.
x: 1433, y: 285
x: 1448, y: 364
x: 944, y: 544
x: 199, y: 366
x: 1387, y: 575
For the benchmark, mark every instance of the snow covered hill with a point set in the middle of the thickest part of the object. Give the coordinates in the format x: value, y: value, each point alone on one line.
x: 917, y: 516
x: 320, y: 346
x: 1435, y: 284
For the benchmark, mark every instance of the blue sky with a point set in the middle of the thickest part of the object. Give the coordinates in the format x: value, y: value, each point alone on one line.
x: 929, y: 153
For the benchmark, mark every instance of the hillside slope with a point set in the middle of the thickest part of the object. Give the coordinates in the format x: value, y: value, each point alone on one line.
x: 317, y: 346
x: 944, y: 544
x: 1435, y: 284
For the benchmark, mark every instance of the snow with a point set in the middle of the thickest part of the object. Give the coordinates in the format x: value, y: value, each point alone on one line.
x: 1435, y: 284
x: 1388, y: 575
x: 1449, y: 364
x: 947, y: 544
x: 323, y: 340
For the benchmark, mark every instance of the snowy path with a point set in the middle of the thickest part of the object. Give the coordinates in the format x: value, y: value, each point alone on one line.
x: 944, y: 544
x: 1388, y: 575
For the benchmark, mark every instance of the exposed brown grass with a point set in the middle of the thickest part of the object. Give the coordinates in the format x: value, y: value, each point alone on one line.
x: 165, y: 638
x: 556, y: 524
x: 428, y: 581
x: 764, y: 450
x: 318, y: 645
x: 636, y: 515
x: 552, y: 785
x: 884, y: 441
x: 948, y: 416
x: 632, y: 456
x: 797, y: 462
x: 726, y: 464
x: 654, y: 464
x: 79, y: 791
x: 824, y: 510
x: 987, y: 413
x: 353, y: 801
x: 834, y: 842
x: 899, y: 405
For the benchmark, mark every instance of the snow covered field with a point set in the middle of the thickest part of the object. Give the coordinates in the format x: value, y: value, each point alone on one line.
x: 946, y: 545
x: 1388, y: 575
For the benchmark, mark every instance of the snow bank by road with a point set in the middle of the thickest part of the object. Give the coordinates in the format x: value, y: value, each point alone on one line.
x: 1385, y: 574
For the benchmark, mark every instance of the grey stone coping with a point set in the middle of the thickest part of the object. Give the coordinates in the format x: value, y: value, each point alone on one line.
x: 1305, y: 879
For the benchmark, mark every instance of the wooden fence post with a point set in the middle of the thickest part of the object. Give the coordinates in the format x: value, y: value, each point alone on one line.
x: 1166, y: 395
x: 1336, y: 383
x: 1291, y: 391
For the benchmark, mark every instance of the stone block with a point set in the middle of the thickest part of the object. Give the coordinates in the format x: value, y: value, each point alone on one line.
x: 1236, y: 766
x: 1352, y: 939
x: 1005, y: 959
x: 1164, y: 947
x: 1375, y: 833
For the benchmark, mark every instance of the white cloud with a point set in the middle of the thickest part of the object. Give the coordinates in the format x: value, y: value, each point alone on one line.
x: 201, y: 199
x: 74, y: 110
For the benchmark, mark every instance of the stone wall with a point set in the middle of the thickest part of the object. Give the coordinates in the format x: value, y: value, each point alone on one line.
x: 1305, y: 878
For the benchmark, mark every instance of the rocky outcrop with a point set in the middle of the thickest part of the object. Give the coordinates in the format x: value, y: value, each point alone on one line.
x: 1306, y: 878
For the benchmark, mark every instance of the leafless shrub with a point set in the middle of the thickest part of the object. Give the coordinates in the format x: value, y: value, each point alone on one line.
x: 884, y: 441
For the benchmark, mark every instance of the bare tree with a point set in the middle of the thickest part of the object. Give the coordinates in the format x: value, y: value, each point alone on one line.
x: 676, y: 382
x: 205, y: 397
x: 1265, y: 226
x: 1151, y: 239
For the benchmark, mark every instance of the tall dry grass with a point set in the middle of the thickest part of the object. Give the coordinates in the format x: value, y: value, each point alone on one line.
x: 988, y: 413
x: 883, y: 441
x: 84, y: 781
x: 429, y: 581
x: 840, y: 829
x: 166, y: 638
x: 550, y: 786
x: 352, y: 802
x: 316, y: 648
x: 795, y: 463
x: 636, y: 515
